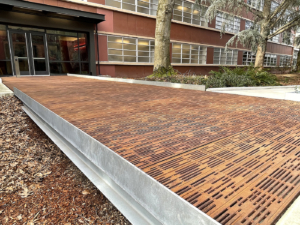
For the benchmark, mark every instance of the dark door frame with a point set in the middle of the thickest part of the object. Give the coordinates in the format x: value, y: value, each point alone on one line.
x: 47, y: 72
x: 30, y: 57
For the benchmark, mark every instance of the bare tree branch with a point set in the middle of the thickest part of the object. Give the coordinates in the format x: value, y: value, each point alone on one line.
x: 291, y: 24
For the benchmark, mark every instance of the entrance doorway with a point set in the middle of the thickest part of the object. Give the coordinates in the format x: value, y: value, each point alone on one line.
x: 31, y: 50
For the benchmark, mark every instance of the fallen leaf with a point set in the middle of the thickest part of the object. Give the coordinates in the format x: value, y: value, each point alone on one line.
x: 85, y: 192
x: 19, y: 217
x: 25, y: 193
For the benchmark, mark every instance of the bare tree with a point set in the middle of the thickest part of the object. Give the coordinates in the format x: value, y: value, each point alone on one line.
x: 162, y: 34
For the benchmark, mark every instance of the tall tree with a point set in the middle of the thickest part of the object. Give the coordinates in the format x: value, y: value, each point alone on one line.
x: 162, y: 34
x: 297, y: 44
x: 269, y: 19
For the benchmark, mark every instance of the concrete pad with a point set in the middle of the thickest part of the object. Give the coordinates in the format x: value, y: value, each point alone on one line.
x: 278, y: 92
x: 292, y: 96
x: 292, y: 215
x: 5, y: 91
x: 145, y: 82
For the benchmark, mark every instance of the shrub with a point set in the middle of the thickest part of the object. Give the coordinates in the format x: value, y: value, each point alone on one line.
x: 225, y: 77
x: 240, y: 77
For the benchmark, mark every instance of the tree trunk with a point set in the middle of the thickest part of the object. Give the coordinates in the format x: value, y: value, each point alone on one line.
x: 298, y: 62
x: 162, y: 34
x: 264, y: 31
x: 260, y: 56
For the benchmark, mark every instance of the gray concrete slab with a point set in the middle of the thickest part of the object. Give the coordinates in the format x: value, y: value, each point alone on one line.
x: 278, y: 92
x: 292, y: 215
x: 145, y: 82
x: 5, y: 91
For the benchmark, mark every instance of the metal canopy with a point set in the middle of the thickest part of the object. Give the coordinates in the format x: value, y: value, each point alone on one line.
x: 50, y: 11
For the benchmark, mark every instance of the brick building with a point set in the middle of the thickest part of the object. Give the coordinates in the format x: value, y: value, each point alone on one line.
x: 116, y: 38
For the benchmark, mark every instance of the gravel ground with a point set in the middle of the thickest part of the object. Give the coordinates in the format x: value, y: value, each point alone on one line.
x: 38, y: 183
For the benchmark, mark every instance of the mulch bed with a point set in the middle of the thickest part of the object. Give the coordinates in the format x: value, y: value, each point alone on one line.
x: 38, y: 183
x: 288, y: 79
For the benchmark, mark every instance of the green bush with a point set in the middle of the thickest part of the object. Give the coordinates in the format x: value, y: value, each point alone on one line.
x: 241, y: 77
x: 225, y: 77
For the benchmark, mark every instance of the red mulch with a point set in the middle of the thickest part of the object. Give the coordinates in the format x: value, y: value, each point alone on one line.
x: 38, y: 183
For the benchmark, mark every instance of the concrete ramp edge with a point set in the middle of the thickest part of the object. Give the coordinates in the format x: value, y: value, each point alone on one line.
x: 145, y: 82
x: 140, y: 198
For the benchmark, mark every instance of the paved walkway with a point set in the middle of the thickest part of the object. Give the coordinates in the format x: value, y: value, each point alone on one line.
x: 278, y: 92
x: 236, y: 158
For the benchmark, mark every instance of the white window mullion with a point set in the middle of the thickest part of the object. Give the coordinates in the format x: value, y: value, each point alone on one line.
x: 136, y: 49
x: 149, y: 49
x: 199, y: 50
x: 180, y: 53
x: 190, y: 55
x: 122, y: 50
x: 182, y: 7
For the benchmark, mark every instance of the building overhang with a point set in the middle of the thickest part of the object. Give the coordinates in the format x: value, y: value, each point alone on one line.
x: 50, y: 11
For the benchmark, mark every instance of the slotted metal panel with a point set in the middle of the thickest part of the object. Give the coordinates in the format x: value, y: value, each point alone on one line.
x: 236, y: 158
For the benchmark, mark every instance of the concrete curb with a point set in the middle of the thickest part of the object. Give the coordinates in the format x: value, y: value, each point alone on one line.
x: 154, y: 83
x: 5, y: 91
x: 291, y: 216
x: 248, y: 88
x: 292, y: 96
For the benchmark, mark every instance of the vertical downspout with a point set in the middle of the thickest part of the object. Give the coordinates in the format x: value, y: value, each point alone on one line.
x: 98, y: 63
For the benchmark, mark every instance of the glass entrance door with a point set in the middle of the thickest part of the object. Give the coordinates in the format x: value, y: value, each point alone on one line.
x: 31, y: 49
x: 19, y: 47
x: 40, y: 62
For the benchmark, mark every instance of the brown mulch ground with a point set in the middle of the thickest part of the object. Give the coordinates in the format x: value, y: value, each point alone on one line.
x: 288, y: 79
x: 38, y: 183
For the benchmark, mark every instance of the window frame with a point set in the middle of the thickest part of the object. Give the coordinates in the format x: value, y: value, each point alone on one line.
x: 218, y: 58
x: 229, y: 27
x: 201, y: 58
x: 136, y: 49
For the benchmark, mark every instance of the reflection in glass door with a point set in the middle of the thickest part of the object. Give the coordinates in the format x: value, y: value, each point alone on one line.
x: 30, y: 47
x: 40, y: 63
x: 20, y: 49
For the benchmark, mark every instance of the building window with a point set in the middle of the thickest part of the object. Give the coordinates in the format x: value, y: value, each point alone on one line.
x: 142, y: 6
x: 232, y: 24
x: 248, y: 58
x: 295, y: 57
x: 225, y: 58
x: 274, y: 5
x: 5, y: 61
x: 285, y: 60
x: 68, y: 52
x: 248, y: 24
x: 188, y: 54
x: 275, y: 38
x: 270, y: 60
x: 125, y: 49
x: 289, y: 39
x: 187, y: 12
x: 145, y: 50
x: 258, y: 4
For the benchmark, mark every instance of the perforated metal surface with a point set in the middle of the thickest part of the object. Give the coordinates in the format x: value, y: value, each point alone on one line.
x: 234, y: 157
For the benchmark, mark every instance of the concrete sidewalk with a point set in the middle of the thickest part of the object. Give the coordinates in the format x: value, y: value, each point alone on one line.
x: 278, y: 92
x: 4, y: 91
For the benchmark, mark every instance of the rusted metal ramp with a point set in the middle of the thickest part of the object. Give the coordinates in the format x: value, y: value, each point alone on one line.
x: 235, y: 158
